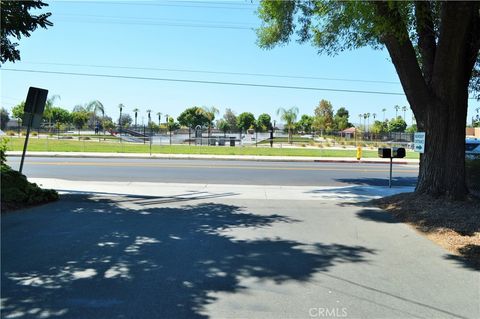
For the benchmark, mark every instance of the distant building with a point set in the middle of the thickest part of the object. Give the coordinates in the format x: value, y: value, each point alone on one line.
x: 348, y: 133
x: 473, y: 132
x: 12, y: 123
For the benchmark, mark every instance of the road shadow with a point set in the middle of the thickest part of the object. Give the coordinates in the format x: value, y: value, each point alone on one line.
x: 89, y: 256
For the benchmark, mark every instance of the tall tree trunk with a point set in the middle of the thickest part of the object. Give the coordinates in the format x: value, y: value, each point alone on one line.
x: 437, y: 87
x: 442, y: 166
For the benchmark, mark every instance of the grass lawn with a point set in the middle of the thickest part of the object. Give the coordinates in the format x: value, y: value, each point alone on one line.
x: 54, y: 145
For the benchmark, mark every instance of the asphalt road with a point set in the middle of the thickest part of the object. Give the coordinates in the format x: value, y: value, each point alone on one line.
x: 216, y: 172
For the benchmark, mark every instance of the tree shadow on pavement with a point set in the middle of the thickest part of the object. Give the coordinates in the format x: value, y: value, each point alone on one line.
x: 90, y: 256
x: 396, y: 181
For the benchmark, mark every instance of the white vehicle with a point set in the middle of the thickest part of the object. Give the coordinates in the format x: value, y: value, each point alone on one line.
x: 472, y: 148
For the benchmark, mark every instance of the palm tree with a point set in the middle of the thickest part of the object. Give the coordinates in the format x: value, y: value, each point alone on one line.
x: 368, y: 121
x: 384, y: 110
x: 149, y: 117
x: 135, y: 111
x: 159, y: 118
x: 360, y: 116
x: 120, y: 107
x: 289, y: 116
x: 95, y: 106
x: 209, y: 113
x: 404, y: 109
x: 374, y: 116
x: 397, y: 107
x: 48, y: 109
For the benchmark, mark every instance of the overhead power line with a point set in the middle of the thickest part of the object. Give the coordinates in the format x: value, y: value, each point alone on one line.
x: 179, y: 4
x: 165, y: 24
x: 214, y: 72
x: 205, y: 82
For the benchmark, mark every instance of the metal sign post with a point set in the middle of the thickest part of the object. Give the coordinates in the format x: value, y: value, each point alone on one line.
x: 33, y: 112
x: 390, y: 180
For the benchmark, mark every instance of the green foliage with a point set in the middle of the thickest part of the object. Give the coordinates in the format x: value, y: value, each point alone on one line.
x: 412, y: 129
x: 3, y: 150
x: 379, y: 127
x: 223, y: 125
x: 324, y: 116
x: 305, y: 123
x: 79, y: 119
x: 231, y: 118
x: 341, y: 119
x: 172, y: 125
x: 17, y: 21
x: 245, y: 120
x: 397, y: 125
x: 60, y: 115
x: 4, y: 118
x: 192, y: 117
x: 264, y: 122
x: 108, y: 124
x: 17, y: 110
x: 126, y: 120
x: 289, y: 116
x: 17, y: 191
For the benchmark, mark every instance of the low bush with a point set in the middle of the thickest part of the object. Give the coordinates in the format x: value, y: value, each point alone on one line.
x: 17, y: 191
x: 11, y: 133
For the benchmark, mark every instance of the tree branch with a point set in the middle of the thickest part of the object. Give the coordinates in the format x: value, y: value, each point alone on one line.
x: 404, y: 59
x: 426, y: 37
x: 454, y: 45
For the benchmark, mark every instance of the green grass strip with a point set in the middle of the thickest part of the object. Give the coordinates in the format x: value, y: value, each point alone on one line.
x: 54, y: 145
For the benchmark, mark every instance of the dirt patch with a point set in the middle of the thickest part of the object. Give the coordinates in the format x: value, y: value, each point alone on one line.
x: 453, y: 225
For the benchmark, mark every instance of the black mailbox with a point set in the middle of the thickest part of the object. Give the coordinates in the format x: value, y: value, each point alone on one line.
x: 398, y: 152
x: 384, y: 152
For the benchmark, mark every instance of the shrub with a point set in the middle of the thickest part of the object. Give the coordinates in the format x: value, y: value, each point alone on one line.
x: 17, y: 191
x: 3, y: 150
x: 11, y: 133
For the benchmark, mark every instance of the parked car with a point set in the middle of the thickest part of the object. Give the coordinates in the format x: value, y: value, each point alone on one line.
x: 472, y: 148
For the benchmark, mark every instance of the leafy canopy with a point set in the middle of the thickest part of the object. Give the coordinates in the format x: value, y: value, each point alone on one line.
x: 245, y: 120
x: 17, y: 21
x: 192, y: 117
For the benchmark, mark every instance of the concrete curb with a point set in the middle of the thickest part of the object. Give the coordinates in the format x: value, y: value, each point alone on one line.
x: 215, y: 157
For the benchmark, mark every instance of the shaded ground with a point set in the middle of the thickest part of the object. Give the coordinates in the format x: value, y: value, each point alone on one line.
x: 214, y: 256
x: 454, y: 225
x: 150, y: 263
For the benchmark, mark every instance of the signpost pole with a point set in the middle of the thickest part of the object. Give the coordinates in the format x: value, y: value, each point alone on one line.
x: 390, y: 180
x: 30, y: 120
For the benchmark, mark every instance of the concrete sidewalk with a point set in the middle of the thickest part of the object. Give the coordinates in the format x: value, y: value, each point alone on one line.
x: 151, y: 250
x: 217, y: 157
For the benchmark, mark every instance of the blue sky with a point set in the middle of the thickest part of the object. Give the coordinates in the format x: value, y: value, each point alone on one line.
x: 214, y: 36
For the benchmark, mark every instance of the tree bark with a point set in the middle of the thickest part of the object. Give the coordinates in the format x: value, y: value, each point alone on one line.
x: 438, y: 96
